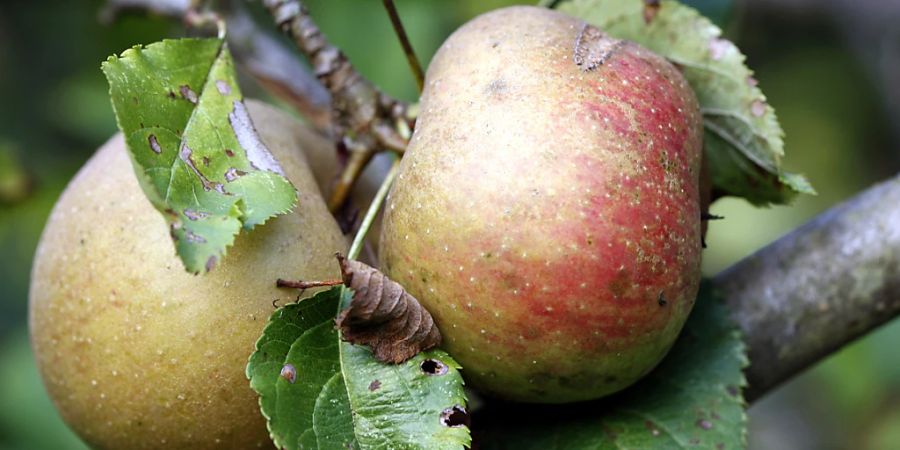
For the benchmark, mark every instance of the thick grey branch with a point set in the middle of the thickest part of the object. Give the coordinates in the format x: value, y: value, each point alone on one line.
x: 819, y: 287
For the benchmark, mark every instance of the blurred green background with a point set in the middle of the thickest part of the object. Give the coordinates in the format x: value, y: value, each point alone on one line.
x: 821, y: 75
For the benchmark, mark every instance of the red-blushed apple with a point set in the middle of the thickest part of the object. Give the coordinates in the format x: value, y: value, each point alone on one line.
x: 547, y: 210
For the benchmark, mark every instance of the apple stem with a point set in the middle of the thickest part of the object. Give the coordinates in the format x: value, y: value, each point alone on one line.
x: 411, y: 57
x: 300, y: 284
x: 372, y: 212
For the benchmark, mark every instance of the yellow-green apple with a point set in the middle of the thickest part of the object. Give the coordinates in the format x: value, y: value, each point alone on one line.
x: 135, y: 352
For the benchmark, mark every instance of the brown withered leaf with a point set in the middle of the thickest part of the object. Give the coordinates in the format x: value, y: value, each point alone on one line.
x: 593, y: 47
x: 383, y: 315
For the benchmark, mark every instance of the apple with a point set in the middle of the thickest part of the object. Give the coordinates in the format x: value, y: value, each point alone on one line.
x: 135, y: 352
x: 547, y: 210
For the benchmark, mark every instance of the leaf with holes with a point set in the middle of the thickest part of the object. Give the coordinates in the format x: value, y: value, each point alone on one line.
x: 743, y: 142
x: 692, y: 400
x: 319, y: 392
x: 195, y: 150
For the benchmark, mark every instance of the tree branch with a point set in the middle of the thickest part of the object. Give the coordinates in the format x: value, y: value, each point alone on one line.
x: 365, y: 120
x: 818, y: 288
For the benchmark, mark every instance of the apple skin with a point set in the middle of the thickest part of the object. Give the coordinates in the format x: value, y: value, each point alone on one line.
x: 135, y: 352
x: 548, y: 217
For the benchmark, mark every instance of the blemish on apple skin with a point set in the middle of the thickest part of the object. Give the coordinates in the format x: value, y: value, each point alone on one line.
x: 497, y: 88
x: 593, y: 48
x: 289, y: 373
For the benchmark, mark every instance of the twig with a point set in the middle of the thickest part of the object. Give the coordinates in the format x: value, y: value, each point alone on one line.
x: 277, y: 68
x: 306, y: 284
x: 365, y: 121
x: 372, y: 212
x: 411, y: 58
x: 819, y: 287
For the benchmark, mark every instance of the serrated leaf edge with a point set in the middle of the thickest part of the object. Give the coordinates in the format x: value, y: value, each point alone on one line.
x: 146, y: 181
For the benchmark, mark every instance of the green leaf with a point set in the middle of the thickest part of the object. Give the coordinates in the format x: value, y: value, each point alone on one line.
x: 319, y: 392
x: 743, y: 142
x: 692, y: 400
x: 195, y: 150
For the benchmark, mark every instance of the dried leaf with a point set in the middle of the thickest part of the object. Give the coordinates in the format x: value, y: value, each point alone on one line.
x: 384, y: 316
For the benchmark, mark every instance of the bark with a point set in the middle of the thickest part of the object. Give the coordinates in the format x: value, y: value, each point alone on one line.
x: 819, y: 287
